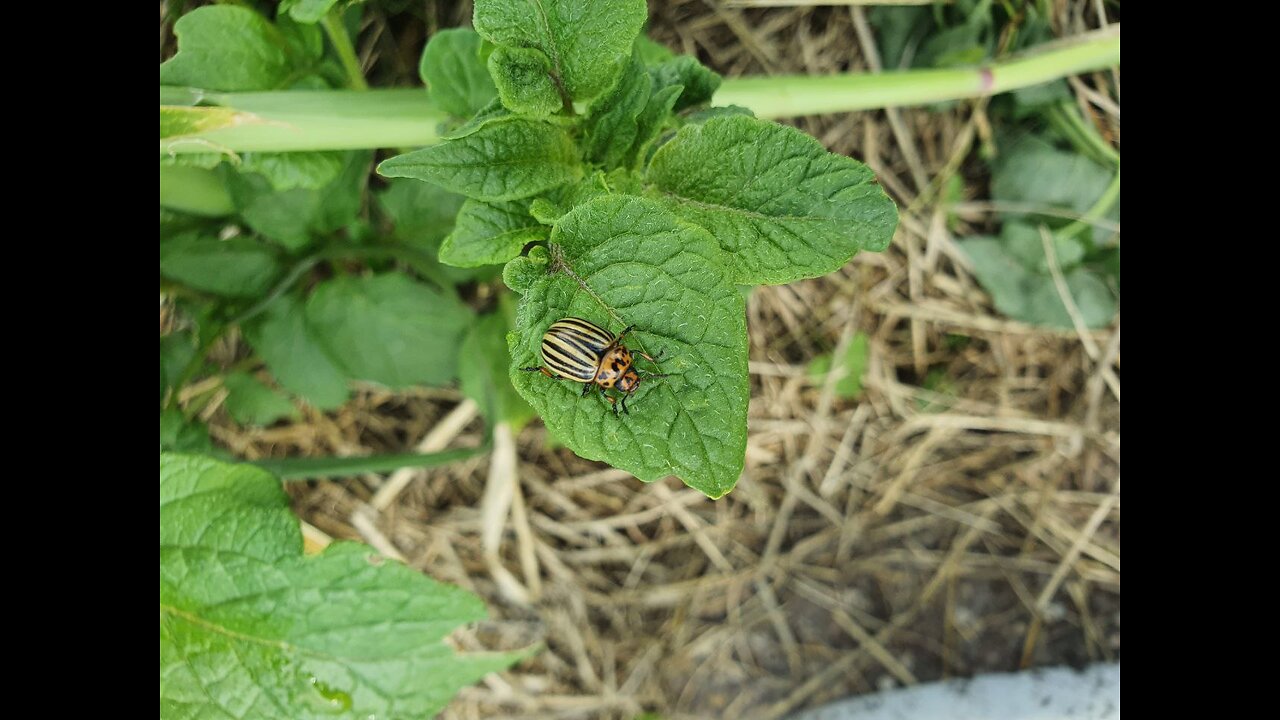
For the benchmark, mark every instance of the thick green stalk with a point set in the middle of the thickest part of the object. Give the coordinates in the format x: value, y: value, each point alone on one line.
x: 300, y: 120
x: 338, y: 120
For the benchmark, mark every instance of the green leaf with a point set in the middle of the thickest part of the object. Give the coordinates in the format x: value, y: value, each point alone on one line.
x: 587, y: 42
x: 422, y: 213
x: 482, y: 372
x: 285, y: 171
x: 898, y: 28
x: 1024, y: 243
x: 650, y: 52
x: 781, y: 206
x: 249, y: 627
x: 295, y: 216
x: 388, y: 329
x: 490, y: 233
x: 295, y: 356
x: 698, y: 117
x: 524, y: 81
x: 489, y: 113
x: 308, y: 11
x: 176, y: 351
x: 697, y: 82
x: 227, y: 48
x: 454, y: 74
x: 1021, y: 289
x: 504, y: 160
x: 238, y: 267
x: 307, y: 41
x: 654, y: 117
x: 194, y: 190
x: 1033, y: 171
x: 612, y: 128
x: 179, y: 435
x: 632, y: 262
x: 249, y: 402
x: 521, y: 273
x: 854, y: 364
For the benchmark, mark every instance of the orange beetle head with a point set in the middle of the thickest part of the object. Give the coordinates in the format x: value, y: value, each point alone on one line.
x: 628, y: 382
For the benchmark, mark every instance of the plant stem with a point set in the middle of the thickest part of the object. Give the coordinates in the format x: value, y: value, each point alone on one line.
x: 337, y: 33
x: 1084, y: 136
x: 303, y: 120
x: 1099, y: 209
x: 326, y: 467
x: 771, y: 97
x: 342, y: 120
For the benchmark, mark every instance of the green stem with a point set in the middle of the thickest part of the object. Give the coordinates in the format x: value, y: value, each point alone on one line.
x: 1099, y: 209
x: 337, y: 33
x: 786, y: 97
x: 342, y: 120
x: 305, y: 120
x: 1084, y: 136
x: 327, y: 467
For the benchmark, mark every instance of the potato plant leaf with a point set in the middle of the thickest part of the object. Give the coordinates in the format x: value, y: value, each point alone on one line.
x: 490, y: 233
x: 295, y: 356
x: 238, y: 267
x: 524, y: 81
x: 780, y: 205
x: 454, y: 73
x: 388, y: 329
x: 251, y: 403
x: 587, y: 42
x: 250, y: 627
x: 507, y: 159
x: 222, y: 47
x: 621, y: 260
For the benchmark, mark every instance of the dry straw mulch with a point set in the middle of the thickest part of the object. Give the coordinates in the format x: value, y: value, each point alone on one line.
x: 913, y: 535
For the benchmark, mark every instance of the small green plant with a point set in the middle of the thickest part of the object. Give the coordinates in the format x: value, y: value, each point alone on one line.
x: 250, y: 627
x: 613, y: 194
x: 591, y: 166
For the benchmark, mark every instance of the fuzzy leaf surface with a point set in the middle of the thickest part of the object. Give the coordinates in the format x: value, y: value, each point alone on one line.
x: 641, y: 265
x: 587, y: 41
x: 249, y: 627
x: 504, y: 160
x: 490, y: 233
x: 454, y: 74
x: 781, y: 206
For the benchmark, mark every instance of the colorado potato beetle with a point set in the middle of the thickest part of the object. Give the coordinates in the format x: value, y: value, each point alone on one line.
x: 581, y: 351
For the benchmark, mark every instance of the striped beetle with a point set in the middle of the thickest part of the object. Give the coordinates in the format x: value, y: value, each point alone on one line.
x: 581, y: 351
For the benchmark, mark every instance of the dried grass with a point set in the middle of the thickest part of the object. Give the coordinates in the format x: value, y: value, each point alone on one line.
x: 917, y: 534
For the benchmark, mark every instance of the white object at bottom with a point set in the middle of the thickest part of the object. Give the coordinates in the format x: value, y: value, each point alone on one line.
x: 1042, y: 694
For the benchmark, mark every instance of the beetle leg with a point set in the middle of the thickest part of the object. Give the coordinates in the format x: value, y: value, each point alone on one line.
x: 544, y: 371
x: 655, y: 359
x: 613, y: 402
x: 587, y: 390
x: 624, y: 404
